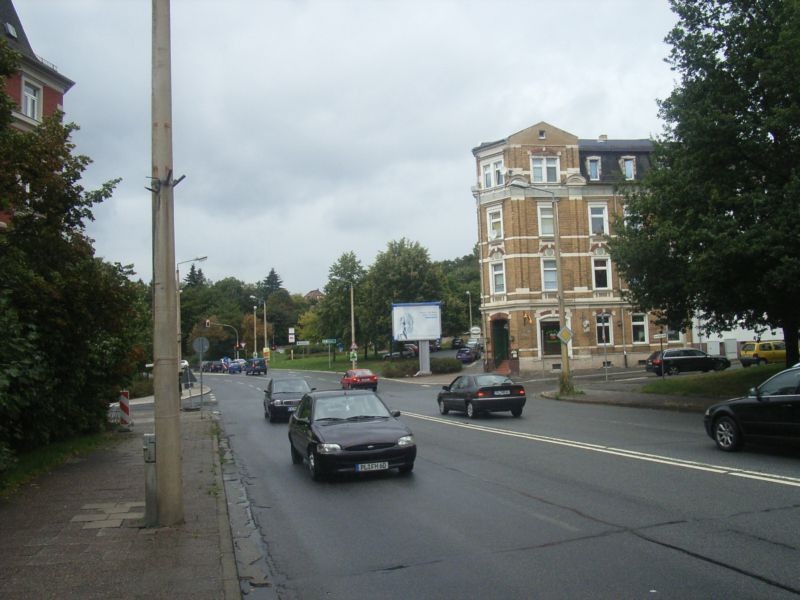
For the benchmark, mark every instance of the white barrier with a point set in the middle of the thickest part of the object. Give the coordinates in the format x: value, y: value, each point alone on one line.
x: 125, y: 418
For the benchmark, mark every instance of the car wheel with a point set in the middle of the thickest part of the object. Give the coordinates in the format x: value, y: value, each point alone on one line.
x: 719, y: 366
x: 374, y: 388
x: 762, y: 361
x: 266, y: 412
x: 271, y: 417
x: 673, y: 370
x: 517, y: 412
x: 297, y: 458
x: 405, y: 469
x: 726, y: 434
x: 745, y: 364
x: 313, y: 466
x: 443, y: 410
x: 471, y: 412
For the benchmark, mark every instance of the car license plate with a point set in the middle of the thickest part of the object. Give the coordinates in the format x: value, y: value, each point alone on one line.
x: 502, y: 392
x: 290, y: 408
x: 378, y: 466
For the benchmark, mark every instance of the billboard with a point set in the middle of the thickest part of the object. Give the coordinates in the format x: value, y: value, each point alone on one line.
x: 417, y: 321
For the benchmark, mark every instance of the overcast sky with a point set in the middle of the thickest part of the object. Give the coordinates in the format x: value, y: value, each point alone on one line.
x: 310, y: 128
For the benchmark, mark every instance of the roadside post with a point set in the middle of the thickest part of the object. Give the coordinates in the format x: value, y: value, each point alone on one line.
x: 660, y: 337
x: 125, y: 419
x: 201, y: 346
x: 329, y: 342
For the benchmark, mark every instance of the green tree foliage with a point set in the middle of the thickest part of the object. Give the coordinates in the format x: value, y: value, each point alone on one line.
x: 461, y: 275
x: 72, y: 324
x: 282, y: 313
x: 714, y: 229
x: 334, y: 308
x: 271, y: 284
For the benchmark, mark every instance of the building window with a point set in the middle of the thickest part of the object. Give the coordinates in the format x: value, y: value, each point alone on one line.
x: 31, y: 103
x: 544, y: 169
x: 542, y: 134
x: 495, y: 223
x: 549, y: 275
x: 602, y: 273
x: 498, y: 278
x: 492, y: 173
x: 673, y: 336
x: 603, y: 327
x: 598, y: 219
x: 628, y: 164
x: 593, y: 168
x: 639, y: 327
x: 498, y: 172
x: 546, y: 222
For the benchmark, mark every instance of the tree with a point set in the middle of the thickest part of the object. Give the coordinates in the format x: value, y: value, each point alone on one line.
x: 282, y: 314
x: 460, y: 275
x: 334, y: 308
x: 713, y: 230
x: 195, y: 278
x: 271, y: 284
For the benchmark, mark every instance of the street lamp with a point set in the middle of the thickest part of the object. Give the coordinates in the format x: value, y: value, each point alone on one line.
x: 565, y: 379
x: 469, y: 299
x: 178, y: 299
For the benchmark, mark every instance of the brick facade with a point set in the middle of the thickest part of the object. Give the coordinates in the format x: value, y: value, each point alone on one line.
x: 520, y: 318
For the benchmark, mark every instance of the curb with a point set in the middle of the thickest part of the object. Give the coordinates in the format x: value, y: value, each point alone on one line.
x: 672, y: 403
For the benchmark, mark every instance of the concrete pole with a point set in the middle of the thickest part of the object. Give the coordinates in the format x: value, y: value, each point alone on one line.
x: 565, y: 378
x: 352, y: 324
x: 165, y: 359
x: 255, y: 331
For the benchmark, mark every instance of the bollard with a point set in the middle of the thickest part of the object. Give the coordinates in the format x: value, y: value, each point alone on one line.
x: 125, y: 419
x: 150, y: 481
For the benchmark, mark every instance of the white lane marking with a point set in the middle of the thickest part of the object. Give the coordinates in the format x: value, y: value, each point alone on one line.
x: 655, y: 458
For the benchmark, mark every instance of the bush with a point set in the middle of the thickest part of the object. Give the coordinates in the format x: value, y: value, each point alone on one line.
x: 400, y: 368
x: 141, y: 386
x: 446, y: 365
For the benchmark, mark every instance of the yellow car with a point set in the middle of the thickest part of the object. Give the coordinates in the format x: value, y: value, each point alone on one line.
x: 761, y: 353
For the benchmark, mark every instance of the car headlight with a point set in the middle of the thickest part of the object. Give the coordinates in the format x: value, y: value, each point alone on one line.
x: 708, y: 412
x: 406, y: 440
x: 328, y: 448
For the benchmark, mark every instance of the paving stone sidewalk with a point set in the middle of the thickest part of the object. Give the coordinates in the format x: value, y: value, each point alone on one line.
x: 77, y: 532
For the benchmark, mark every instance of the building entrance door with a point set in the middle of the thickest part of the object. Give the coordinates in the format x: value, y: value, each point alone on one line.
x: 500, y: 340
x: 551, y: 345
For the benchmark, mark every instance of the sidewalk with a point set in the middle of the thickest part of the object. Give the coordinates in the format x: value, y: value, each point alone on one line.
x: 76, y: 532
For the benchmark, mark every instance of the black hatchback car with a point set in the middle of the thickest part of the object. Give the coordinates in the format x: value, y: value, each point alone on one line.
x: 474, y: 394
x: 680, y: 360
x: 282, y: 397
x: 771, y: 410
x: 349, y: 431
x: 256, y: 366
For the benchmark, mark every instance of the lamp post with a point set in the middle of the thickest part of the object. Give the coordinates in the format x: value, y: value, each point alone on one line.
x: 353, y: 325
x: 565, y: 378
x: 178, y: 299
x: 469, y: 299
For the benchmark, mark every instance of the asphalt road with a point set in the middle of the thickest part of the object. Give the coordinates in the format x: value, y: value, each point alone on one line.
x: 569, y: 501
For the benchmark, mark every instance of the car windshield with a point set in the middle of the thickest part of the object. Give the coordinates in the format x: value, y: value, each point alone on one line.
x: 362, y: 373
x: 290, y: 385
x: 335, y: 408
x: 489, y: 380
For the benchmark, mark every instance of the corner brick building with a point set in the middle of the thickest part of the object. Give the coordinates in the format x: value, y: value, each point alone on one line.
x: 546, y: 205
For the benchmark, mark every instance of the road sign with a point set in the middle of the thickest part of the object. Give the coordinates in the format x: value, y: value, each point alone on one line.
x: 353, y: 346
x: 354, y: 355
x: 303, y: 343
x: 331, y: 341
x: 200, y: 345
x: 291, y: 338
x: 565, y: 335
x: 660, y: 336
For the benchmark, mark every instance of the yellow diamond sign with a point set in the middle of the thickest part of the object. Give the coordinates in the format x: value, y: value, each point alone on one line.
x: 565, y: 335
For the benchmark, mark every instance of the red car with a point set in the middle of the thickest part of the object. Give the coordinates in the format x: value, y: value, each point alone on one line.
x: 359, y: 378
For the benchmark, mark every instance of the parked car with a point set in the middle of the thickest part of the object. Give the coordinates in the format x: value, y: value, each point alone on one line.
x: 476, y: 347
x: 349, y: 432
x: 256, y: 366
x: 184, y: 364
x: 435, y: 345
x: 407, y: 351
x: 282, y: 397
x: 234, y: 367
x: 359, y: 378
x: 770, y: 411
x: 761, y: 353
x: 681, y: 360
x: 457, y: 343
x: 466, y: 355
x: 475, y: 394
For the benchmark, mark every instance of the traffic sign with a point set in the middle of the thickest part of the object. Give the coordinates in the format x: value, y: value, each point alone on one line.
x: 354, y: 355
x: 329, y: 341
x: 200, y: 345
x: 660, y: 336
x: 353, y: 346
x: 303, y: 343
x: 565, y: 335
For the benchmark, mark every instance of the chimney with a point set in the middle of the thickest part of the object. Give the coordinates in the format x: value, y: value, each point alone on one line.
x: 602, y: 137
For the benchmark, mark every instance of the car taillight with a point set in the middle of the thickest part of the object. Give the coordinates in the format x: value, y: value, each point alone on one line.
x: 656, y: 361
x: 481, y: 393
x: 521, y: 392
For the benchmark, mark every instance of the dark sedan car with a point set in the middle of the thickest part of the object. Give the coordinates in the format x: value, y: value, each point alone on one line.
x: 466, y: 355
x: 256, y: 366
x: 771, y: 410
x: 474, y: 394
x: 282, y: 397
x: 680, y: 360
x: 349, y: 432
x: 457, y: 343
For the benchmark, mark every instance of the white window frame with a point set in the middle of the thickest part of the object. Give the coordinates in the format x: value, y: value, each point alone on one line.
x: 497, y: 269
x: 601, y: 323
x: 589, y: 161
x: 595, y: 270
x: 623, y: 164
x: 639, y: 320
x: 544, y: 218
x: 31, y: 106
x: 595, y: 206
x: 491, y: 221
x: 549, y: 265
x: 544, y: 178
x: 674, y: 336
x: 492, y: 173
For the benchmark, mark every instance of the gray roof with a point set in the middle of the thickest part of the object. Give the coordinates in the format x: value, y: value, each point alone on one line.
x: 615, y: 145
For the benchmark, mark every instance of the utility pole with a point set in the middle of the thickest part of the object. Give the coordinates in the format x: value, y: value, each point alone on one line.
x: 352, y: 325
x: 255, y: 332
x: 165, y: 359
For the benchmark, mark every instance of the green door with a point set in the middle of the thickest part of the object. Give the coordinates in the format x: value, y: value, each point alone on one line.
x: 551, y: 345
x: 500, y: 340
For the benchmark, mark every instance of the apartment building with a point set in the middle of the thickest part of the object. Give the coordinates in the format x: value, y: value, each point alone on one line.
x: 546, y: 204
x: 37, y: 88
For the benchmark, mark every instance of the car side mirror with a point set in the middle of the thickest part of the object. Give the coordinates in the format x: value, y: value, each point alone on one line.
x: 753, y: 392
x: 395, y: 413
x: 446, y: 388
x: 312, y: 389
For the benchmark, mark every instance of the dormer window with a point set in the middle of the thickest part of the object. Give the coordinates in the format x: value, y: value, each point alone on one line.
x: 628, y: 166
x: 593, y: 168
